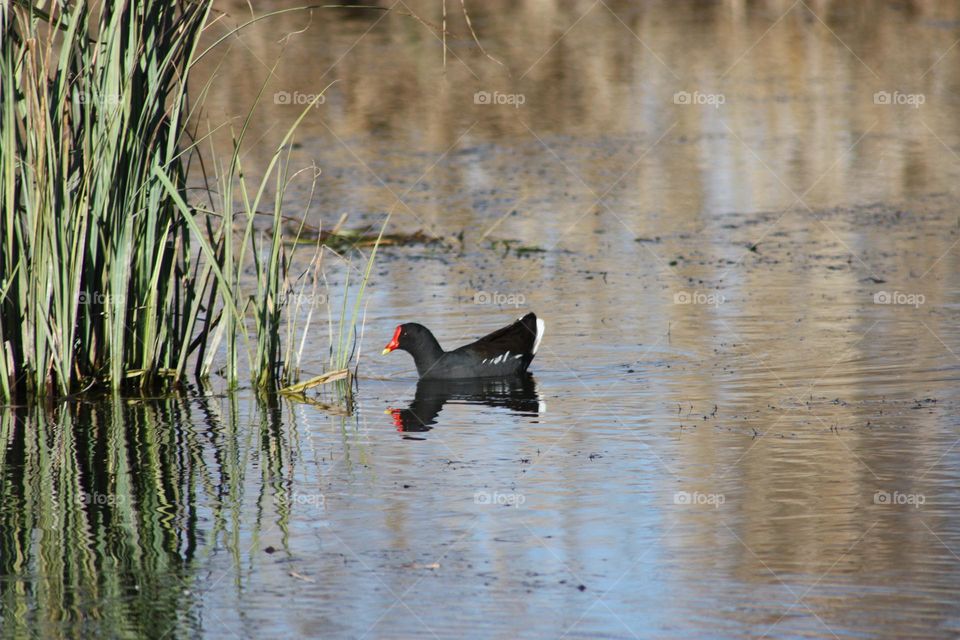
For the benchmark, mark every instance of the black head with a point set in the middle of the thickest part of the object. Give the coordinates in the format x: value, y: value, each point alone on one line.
x: 412, y: 338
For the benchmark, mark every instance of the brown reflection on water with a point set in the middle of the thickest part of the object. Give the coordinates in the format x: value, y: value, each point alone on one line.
x: 798, y: 85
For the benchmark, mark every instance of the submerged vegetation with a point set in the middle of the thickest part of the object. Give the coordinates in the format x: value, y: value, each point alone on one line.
x: 110, y: 275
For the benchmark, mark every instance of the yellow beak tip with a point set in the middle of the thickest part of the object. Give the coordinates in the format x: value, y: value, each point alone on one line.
x: 385, y: 352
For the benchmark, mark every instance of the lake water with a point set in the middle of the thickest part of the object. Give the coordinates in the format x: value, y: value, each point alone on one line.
x: 738, y: 221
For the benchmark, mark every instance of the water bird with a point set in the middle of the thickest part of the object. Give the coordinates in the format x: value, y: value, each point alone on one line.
x: 505, y: 352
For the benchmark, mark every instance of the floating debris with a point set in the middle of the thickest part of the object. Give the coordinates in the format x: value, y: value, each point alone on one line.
x: 346, y: 239
x: 526, y: 249
x: 299, y: 576
x: 506, y: 246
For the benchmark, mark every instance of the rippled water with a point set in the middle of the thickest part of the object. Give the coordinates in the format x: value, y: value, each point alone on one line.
x: 743, y: 420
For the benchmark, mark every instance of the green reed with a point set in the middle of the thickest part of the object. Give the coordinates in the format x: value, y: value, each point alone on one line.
x: 109, y: 275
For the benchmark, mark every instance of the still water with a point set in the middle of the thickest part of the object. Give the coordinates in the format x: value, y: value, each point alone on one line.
x: 738, y: 220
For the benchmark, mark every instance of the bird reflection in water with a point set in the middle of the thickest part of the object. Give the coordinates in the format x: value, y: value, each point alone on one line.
x: 517, y: 393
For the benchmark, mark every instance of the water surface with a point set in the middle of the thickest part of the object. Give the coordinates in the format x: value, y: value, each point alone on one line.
x: 743, y: 420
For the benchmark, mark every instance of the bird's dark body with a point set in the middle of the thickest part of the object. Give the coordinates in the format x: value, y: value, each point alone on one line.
x: 505, y: 352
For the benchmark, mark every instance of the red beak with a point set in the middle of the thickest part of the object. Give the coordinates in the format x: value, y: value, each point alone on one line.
x: 393, y: 344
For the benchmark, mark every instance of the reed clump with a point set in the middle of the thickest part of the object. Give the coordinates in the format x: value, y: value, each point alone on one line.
x: 109, y: 275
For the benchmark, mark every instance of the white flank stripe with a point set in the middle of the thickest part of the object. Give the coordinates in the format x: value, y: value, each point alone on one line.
x: 541, y: 328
